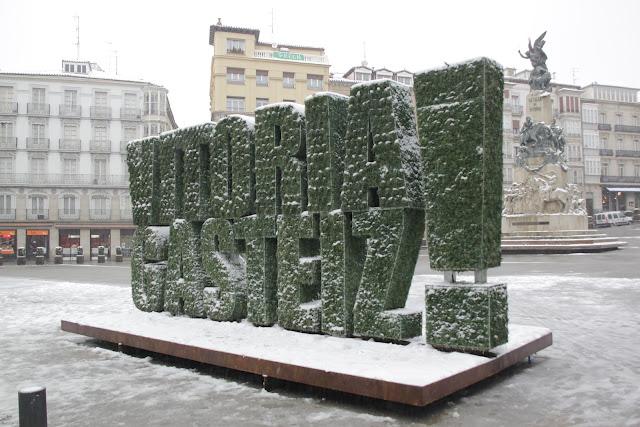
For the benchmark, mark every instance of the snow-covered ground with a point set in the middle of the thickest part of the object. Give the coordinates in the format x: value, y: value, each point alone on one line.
x: 589, y: 376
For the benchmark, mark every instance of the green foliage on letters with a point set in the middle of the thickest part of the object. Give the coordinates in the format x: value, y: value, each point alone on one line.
x: 233, y: 168
x: 460, y: 127
x: 186, y: 279
x: 281, y: 168
x: 298, y: 254
x: 141, y: 159
x: 326, y: 119
x: 169, y: 206
x: 148, y: 268
x: 224, y: 265
x: 467, y: 317
x: 382, y: 163
x: 393, y: 242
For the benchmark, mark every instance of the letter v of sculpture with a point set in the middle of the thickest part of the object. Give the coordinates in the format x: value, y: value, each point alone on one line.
x: 459, y: 119
x: 313, y: 218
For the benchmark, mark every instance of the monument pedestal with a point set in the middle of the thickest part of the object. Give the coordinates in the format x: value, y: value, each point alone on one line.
x: 556, y: 222
x: 540, y: 106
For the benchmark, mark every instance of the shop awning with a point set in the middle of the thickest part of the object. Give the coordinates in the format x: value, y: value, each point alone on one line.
x: 627, y: 189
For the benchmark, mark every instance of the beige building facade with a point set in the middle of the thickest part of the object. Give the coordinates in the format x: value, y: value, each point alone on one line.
x: 63, y: 172
x: 611, y: 120
x: 247, y: 73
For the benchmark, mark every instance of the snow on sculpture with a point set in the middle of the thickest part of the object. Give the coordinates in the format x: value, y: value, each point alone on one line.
x: 460, y: 122
x: 311, y: 217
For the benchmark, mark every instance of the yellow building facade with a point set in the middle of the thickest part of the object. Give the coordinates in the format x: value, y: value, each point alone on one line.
x: 247, y: 73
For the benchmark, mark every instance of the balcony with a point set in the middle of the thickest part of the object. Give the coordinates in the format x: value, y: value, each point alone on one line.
x: 100, y: 214
x: 74, y: 180
x: 516, y: 110
x: 37, y: 144
x: 68, y: 214
x: 133, y: 114
x: 606, y: 152
x: 154, y: 111
x: 620, y: 179
x: 290, y: 56
x: 627, y: 153
x: 34, y: 109
x: 7, y: 214
x: 604, y: 126
x: 70, y: 110
x: 8, y: 142
x: 100, y: 146
x: 125, y: 214
x: 70, y: 145
x: 37, y: 214
x: 235, y: 51
x: 9, y: 108
x: 628, y: 129
x: 99, y: 112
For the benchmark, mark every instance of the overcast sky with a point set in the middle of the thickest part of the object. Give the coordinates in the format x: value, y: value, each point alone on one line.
x: 167, y: 42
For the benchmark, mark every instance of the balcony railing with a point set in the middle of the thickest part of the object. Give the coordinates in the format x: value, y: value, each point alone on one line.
x: 100, y: 112
x: 37, y: 109
x: 125, y: 214
x: 621, y: 179
x: 627, y: 128
x: 71, y: 145
x: 68, y: 214
x: 8, y: 142
x: 63, y: 179
x: 627, y: 153
x: 154, y: 112
x: 7, y: 214
x: 37, y: 214
x: 604, y: 126
x: 37, y: 143
x: 130, y: 114
x: 290, y: 56
x: 606, y: 152
x: 100, y: 214
x: 70, y: 110
x: 100, y: 146
x: 516, y: 109
x: 10, y: 108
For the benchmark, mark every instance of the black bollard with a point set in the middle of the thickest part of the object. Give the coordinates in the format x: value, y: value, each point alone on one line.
x: 32, y: 407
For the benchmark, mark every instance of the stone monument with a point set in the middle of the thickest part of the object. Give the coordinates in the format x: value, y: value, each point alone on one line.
x: 540, y: 198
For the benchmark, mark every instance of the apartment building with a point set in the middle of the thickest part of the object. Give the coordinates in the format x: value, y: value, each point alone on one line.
x: 63, y: 172
x: 566, y: 113
x: 247, y: 73
x: 363, y: 73
x: 611, y: 120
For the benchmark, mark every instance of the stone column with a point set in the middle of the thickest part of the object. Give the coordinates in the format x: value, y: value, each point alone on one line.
x: 54, y: 239
x: 85, y: 241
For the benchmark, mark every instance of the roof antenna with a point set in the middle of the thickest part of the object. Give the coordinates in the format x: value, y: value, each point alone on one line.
x: 364, y: 53
x: 77, y: 42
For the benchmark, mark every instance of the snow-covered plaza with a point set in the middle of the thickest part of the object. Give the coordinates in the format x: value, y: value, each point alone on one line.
x: 588, y: 377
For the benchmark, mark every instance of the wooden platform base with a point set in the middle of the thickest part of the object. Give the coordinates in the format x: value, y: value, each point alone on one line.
x: 414, y: 375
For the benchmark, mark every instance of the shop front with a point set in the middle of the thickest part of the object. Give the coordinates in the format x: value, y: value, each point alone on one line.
x: 69, y: 240
x: 126, y: 241
x: 100, y: 237
x: 8, y: 243
x: 620, y: 198
x: 37, y: 238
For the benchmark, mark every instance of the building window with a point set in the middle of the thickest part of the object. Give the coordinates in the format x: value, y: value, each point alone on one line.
x: 619, y: 119
x: 70, y: 166
x: 636, y: 121
x: 603, y: 118
x: 99, y: 170
x: 151, y: 129
x: 38, y: 166
x: 561, y: 104
x: 515, y: 126
x: 6, y: 166
x: 37, y: 95
x: 70, y: 98
x: 636, y: 144
x: 604, y: 169
x: 405, y: 80
x: 6, y: 207
x: 69, y: 204
x: 288, y: 80
x: 100, y: 99
x: 604, y: 142
x: 37, y: 131
x: 314, y: 81
x: 155, y: 102
x: 37, y: 205
x: 100, y: 133
x: 620, y: 169
x: 235, y: 46
x: 235, y: 76
x: 636, y: 170
x: 99, y: 206
x: 262, y: 78
x: 363, y: 77
x: 6, y: 131
x: 261, y: 102
x: 620, y: 144
x: 235, y: 104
